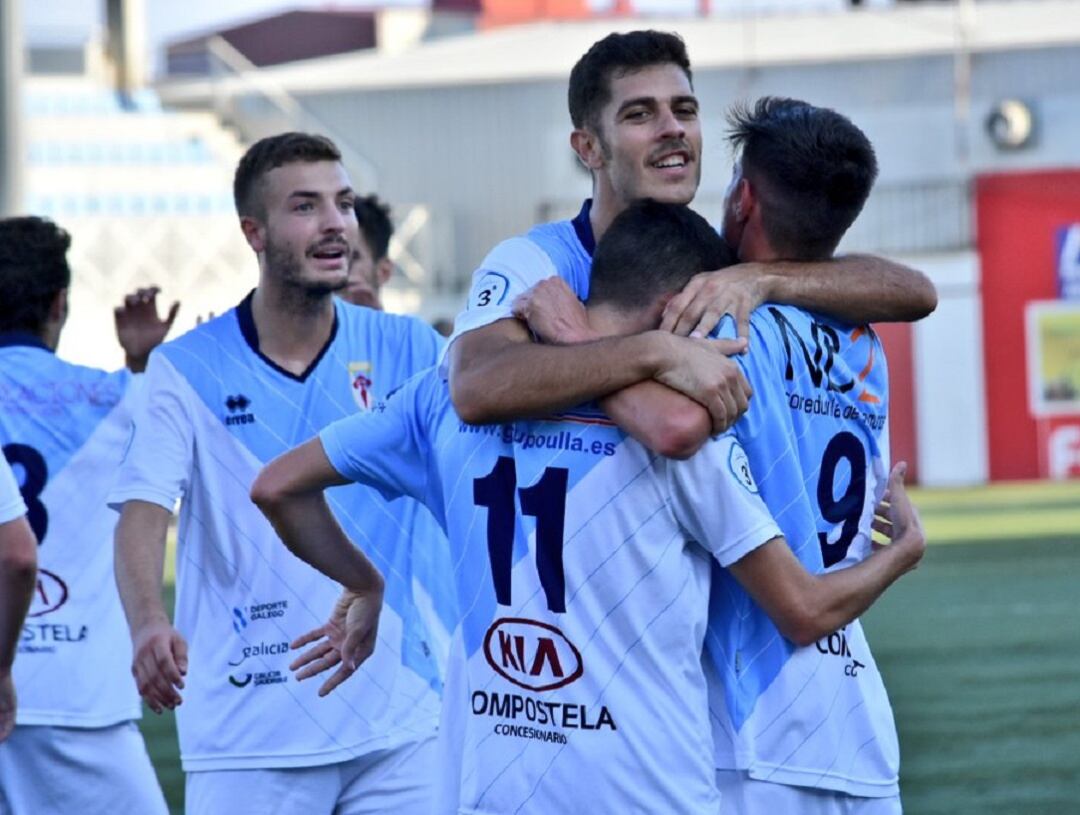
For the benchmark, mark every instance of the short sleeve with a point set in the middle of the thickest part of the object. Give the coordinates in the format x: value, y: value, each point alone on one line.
x: 157, y: 462
x: 759, y: 365
x: 11, y: 501
x: 715, y: 499
x: 385, y: 448
x: 511, y: 268
x: 425, y: 345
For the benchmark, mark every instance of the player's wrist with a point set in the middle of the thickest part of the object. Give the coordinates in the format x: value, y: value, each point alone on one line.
x: 136, y: 363
x: 656, y: 352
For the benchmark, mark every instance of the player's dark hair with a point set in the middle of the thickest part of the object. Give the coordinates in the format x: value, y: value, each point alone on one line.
x: 271, y: 152
x: 375, y: 224
x: 614, y: 56
x: 811, y: 168
x: 651, y: 249
x: 33, y: 270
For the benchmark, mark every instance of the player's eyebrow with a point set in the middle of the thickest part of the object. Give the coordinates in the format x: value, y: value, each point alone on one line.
x: 647, y: 101
x: 314, y: 194
x: 650, y: 101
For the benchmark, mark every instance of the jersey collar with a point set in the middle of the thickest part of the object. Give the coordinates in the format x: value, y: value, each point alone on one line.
x: 10, y: 339
x: 251, y: 336
x: 583, y: 228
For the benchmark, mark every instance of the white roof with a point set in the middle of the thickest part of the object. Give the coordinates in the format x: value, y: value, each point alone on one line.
x: 549, y: 50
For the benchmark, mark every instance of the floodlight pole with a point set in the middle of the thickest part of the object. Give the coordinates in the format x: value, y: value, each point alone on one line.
x: 11, y: 143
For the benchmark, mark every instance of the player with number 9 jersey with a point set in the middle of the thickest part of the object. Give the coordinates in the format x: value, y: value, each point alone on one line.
x: 575, y: 681
x: 817, y: 440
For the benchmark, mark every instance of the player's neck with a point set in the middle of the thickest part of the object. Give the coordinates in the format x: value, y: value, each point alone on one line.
x: 291, y: 334
x: 755, y: 248
x: 610, y: 321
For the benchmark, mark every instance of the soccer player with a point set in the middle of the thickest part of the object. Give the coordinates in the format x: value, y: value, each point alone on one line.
x: 807, y: 729
x: 63, y: 427
x: 636, y: 128
x: 372, y: 266
x: 576, y: 673
x: 18, y: 569
x: 817, y: 442
x: 218, y: 403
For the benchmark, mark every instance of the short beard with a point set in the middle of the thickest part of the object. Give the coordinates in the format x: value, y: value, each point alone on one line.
x: 297, y: 295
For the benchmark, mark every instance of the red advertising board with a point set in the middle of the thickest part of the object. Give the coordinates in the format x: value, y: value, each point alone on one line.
x: 1019, y: 222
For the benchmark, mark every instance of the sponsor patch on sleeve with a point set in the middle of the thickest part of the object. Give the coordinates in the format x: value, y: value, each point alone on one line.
x: 740, y: 468
x: 489, y: 290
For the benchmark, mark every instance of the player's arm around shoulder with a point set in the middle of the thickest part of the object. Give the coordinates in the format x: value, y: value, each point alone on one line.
x: 806, y: 607
x: 855, y: 289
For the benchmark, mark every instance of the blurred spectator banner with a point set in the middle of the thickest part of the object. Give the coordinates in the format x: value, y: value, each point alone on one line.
x: 1068, y: 261
x: 1053, y: 343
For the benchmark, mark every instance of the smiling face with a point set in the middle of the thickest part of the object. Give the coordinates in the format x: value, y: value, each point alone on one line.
x: 650, y: 138
x: 308, y: 235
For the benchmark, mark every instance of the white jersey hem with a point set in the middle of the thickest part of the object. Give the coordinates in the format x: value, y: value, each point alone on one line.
x: 821, y: 780
x: 118, y: 498
x: 46, y: 718
x: 272, y: 761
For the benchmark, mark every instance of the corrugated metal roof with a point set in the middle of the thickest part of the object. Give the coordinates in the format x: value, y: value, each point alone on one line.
x: 549, y: 50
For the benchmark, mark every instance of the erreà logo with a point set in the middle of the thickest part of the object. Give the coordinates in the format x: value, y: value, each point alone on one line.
x: 237, y: 407
x: 531, y: 654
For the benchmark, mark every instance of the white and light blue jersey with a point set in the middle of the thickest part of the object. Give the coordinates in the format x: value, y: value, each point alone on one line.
x: 562, y: 248
x: 575, y: 682
x: 62, y: 429
x: 836, y: 757
x: 12, y: 505
x: 214, y: 411
x: 817, y: 440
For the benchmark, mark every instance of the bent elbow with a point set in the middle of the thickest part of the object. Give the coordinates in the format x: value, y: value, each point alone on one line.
x: 469, y: 399
x: 803, y: 633
x: 679, y: 442
x: 801, y: 624
x: 20, y: 565
x: 265, y: 491
x: 926, y: 299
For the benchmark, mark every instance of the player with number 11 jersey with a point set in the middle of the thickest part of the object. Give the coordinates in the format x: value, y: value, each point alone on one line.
x: 575, y: 680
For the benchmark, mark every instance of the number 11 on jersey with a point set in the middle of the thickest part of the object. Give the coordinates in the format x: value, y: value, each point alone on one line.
x: 546, y: 501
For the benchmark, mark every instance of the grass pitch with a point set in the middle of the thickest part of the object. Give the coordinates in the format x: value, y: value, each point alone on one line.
x: 980, y: 650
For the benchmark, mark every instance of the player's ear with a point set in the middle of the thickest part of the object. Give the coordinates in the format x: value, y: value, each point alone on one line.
x: 58, y: 308
x: 587, y: 146
x: 384, y: 269
x: 254, y: 232
x: 744, y: 200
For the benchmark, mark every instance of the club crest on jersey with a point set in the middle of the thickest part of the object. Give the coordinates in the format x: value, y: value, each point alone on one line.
x: 360, y: 382
x: 740, y: 468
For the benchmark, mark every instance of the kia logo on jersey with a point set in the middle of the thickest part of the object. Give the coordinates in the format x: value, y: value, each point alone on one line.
x: 49, y: 594
x: 531, y: 654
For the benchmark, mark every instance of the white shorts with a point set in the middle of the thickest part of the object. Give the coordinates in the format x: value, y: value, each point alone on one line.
x: 88, y: 771
x: 742, y: 795
x: 400, y: 781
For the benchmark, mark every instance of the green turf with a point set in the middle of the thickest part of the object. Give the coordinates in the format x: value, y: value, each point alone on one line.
x: 160, y: 735
x: 980, y: 650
